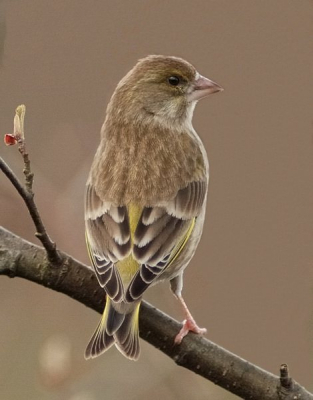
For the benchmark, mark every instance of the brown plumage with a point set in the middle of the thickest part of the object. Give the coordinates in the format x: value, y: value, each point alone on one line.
x: 146, y: 194
x: 155, y: 177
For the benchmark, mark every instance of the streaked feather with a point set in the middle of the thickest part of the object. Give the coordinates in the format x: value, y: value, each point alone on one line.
x: 108, y: 241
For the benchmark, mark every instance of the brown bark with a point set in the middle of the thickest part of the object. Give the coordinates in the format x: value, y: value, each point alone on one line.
x: 19, y: 258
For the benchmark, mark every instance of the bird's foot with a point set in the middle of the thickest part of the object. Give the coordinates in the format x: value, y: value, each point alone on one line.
x: 189, y: 325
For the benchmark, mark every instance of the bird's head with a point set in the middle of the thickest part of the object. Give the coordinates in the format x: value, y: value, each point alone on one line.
x: 162, y: 88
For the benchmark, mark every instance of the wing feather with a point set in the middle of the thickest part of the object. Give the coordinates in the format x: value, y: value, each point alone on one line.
x: 161, y: 234
x: 108, y: 241
x: 154, y: 239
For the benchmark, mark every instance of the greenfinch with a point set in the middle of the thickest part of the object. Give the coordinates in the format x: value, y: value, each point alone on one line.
x: 146, y: 195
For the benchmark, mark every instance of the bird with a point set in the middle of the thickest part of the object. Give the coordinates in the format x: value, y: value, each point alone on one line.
x: 146, y: 193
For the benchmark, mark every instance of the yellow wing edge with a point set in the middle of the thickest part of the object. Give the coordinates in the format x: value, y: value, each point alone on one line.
x: 182, y: 243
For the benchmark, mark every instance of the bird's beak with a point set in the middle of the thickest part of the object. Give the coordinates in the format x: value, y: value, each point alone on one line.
x: 202, y: 87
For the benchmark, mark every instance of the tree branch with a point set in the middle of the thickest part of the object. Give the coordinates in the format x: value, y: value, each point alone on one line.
x: 19, y: 258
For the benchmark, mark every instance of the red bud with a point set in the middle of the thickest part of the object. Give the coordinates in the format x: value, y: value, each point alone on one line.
x: 9, y: 139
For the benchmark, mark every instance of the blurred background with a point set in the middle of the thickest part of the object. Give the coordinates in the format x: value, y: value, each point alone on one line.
x: 250, y: 282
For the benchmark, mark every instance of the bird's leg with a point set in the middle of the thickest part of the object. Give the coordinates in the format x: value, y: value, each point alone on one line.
x: 189, y: 324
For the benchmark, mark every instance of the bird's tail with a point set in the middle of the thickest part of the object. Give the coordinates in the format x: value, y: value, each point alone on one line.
x: 116, y: 327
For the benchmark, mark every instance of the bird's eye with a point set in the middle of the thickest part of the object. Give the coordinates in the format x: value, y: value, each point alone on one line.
x: 173, y: 80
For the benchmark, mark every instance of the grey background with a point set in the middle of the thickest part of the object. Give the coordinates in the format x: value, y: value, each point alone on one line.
x: 250, y: 282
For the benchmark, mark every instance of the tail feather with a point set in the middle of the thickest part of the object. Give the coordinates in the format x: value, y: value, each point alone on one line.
x: 116, y: 328
x: 99, y: 342
x: 127, y: 337
x: 114, y: 321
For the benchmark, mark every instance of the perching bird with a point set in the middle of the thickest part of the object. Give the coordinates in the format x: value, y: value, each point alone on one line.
x: 146, y: 195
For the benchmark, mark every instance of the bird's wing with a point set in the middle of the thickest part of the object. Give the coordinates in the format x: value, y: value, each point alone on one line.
x: 108, y: 241
x: 161, y: 234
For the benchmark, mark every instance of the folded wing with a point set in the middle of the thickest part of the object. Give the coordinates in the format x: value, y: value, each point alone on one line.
x: 161, y: 234
x: 108, y: 241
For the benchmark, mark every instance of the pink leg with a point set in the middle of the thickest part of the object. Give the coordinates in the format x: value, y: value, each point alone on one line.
x: 189, y: 324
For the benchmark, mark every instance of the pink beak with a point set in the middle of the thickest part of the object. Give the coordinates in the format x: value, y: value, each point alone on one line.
x: 203, y: 87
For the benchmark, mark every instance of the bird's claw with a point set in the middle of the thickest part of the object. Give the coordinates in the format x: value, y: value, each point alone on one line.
x: 189, y: 325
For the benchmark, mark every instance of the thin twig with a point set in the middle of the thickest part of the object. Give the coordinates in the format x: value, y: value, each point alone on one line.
x: 28, y: 197
x: 286, y: 389
x: 26, y: 192
x: 29, y: 176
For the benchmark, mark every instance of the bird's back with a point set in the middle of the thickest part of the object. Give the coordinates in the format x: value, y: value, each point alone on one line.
x: 150, y: 164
